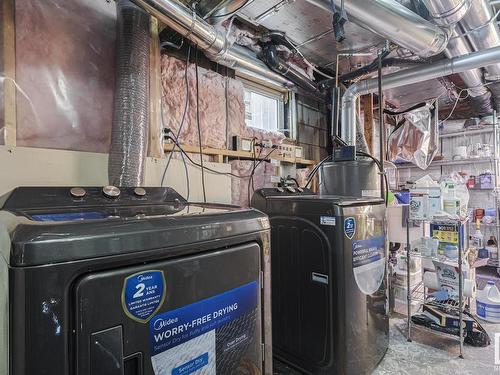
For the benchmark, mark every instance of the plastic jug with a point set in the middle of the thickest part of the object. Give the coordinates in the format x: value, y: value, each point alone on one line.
x: 488, y: 303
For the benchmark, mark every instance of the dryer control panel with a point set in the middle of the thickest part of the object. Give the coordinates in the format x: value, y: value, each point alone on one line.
x: 91, y: 203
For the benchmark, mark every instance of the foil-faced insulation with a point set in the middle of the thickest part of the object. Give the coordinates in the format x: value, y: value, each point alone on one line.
x: 129, y: 134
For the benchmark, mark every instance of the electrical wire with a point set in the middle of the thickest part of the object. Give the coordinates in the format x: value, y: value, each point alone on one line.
x: 459, y: 97
x: 255, y: 157
x: 198, y: 125
x: 493, y: 19
x: 186, y: 102
x: 213, y: 170
x: 315, y: 170
x: 379, y: 165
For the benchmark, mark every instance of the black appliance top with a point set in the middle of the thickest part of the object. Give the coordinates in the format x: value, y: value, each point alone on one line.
x: 308, y: 196
x: 57, y: 224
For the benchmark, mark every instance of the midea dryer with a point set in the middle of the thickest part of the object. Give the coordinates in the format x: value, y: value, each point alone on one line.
x: 131, y: 281
x: 328, y: 261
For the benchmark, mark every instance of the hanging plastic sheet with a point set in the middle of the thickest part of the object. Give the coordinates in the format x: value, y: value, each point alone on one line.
x: 415, y: 139
x: 65, y: 73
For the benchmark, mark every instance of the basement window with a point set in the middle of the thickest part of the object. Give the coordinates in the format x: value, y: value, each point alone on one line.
x: 264, y: 109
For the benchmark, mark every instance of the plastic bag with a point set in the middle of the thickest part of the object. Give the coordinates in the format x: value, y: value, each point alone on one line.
x: 416, y: 139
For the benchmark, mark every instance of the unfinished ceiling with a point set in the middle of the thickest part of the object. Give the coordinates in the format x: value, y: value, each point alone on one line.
x: 310, y: 28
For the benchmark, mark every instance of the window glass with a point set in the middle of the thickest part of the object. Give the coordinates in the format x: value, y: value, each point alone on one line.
x: 262, y: 111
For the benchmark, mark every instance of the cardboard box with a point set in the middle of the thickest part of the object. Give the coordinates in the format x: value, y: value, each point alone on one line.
x: 448, y: 320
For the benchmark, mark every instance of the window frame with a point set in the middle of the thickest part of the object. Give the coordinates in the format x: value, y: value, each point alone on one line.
x: 279, y: 96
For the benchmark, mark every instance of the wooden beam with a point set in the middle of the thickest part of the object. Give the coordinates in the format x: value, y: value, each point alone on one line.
x: 155, y: 94
x: 236, y: 154
x: 8, y: 71
x: 367, y: 104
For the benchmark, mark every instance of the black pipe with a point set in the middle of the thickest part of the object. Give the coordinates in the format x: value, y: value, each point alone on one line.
x: 276, y: 63
x: 382, y: 127
x: 370, y: 68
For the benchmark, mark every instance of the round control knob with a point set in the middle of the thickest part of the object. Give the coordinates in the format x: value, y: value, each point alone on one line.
x: 280, y: 189
x: 290, y: 189
x: 140, y: 192
x: 111, y: 191
x: 77, y: 192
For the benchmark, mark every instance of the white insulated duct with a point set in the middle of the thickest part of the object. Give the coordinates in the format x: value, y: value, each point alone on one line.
x: 211, y: 41
x: 394, y: 22
x: 442, y: 68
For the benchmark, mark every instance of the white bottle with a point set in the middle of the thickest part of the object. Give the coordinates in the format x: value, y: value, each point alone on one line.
x: 477, y: 237
x: 488, y: 303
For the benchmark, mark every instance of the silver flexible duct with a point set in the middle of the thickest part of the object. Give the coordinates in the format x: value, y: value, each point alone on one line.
x: 129, y: 132
x: 407, y: 77
x: 395, y: 22
x: 211, y: 41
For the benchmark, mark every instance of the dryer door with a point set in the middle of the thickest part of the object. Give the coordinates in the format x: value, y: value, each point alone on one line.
x: 194, y: 315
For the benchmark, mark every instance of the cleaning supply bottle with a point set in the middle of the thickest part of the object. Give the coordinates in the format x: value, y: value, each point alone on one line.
x: 477, y: 237
x: 488, y: 303
x: 477, y: 241
x: 492, y: 248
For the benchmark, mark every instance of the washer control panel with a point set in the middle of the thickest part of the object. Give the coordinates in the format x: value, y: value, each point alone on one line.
x: 285, y: 191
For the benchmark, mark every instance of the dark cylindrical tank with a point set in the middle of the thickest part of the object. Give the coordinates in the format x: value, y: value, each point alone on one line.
x: 358, y: 178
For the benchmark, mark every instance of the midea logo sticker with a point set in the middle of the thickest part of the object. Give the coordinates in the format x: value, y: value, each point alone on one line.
x: 349, y: 227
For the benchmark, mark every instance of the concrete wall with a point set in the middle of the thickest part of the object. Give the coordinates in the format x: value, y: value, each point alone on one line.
x: 22, y: 166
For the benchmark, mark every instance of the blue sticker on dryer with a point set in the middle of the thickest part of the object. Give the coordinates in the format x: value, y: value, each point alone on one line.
x: 205, y: 335
x: 349, y: 227
x: 143, y: 294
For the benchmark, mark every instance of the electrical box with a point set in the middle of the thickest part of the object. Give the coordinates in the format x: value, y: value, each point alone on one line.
x: 241, y: 144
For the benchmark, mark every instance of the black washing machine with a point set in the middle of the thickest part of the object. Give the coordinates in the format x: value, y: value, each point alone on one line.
x: 329, y: 285
x: 131, y: 281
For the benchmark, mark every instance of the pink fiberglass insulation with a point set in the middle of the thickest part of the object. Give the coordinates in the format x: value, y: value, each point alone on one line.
x: 301, y: 175
x: 216, y: 109
x: 242, y: 188
x: 65, y: 73
x: 212, y: 110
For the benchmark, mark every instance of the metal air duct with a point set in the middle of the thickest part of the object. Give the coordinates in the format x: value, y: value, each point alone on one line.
x: 395, y: 22
x: 450, y: 12
x: 486, y: 34
x: 129, y: 133
x: 407, y: 77
x: 211, y: 41
x: 447, y: 12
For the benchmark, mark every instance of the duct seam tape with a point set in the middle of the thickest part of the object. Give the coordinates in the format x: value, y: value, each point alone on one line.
x: 431, y: 282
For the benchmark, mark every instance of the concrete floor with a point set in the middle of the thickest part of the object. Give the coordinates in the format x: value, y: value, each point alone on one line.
x: 427, y: 354
x: 430, y: 354
x: 433, y: 354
